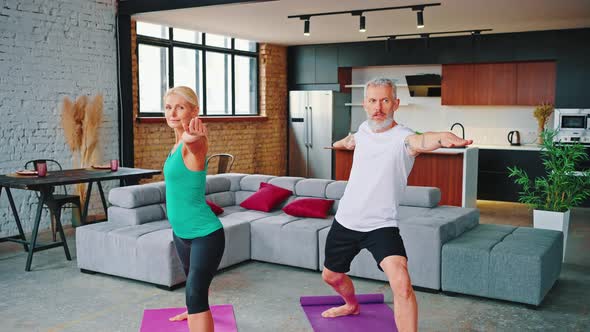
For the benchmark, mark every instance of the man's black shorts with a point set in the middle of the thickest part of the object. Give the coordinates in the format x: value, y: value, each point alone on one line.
x: 343, y: 244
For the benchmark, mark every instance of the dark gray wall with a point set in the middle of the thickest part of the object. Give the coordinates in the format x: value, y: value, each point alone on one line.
x: 316, y: 66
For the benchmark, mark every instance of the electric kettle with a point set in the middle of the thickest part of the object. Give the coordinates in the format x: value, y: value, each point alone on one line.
x: 514, y: 137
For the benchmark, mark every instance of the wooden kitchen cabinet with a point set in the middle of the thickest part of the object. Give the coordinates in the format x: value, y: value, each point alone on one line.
x: 495, y: 84
x: 535, y: 83
x: 454, y: 173
x: 444, y: 171
x: 458, y: 85
x: 507, y: 83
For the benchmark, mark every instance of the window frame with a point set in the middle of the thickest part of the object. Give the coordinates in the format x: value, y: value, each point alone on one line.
x: 170, y: 44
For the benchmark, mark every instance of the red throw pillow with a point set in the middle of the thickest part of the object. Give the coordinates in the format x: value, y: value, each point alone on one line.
x: 266, y: 198
x: 215, y: 208
x: 309, y: 207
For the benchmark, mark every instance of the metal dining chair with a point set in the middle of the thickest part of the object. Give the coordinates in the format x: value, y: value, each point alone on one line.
x: 224, y: 163
x: 58, y: 200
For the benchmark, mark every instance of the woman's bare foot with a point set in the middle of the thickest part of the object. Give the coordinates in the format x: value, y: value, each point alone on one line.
x: 344, y: 310
x: 182, y: 316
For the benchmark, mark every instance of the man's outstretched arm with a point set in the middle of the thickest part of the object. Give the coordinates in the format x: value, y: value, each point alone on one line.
x: 347, y: 143
x: 433, y: 140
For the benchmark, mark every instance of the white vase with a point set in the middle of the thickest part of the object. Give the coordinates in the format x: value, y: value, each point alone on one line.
x: 557, y: 221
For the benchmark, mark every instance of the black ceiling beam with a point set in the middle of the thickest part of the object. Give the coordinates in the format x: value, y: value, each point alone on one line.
x: 130, y: 7
x: 359, y: 11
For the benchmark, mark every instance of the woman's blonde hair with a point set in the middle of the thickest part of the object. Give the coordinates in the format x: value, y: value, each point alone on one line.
x: 185, y: 92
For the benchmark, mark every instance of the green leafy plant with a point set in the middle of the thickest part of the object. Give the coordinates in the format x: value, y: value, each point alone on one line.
x: 560, y: 189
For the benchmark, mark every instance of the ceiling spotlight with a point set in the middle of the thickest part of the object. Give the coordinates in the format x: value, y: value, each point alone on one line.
x: 306, y: 27
x: 420, y: 19
x: 362, y: 27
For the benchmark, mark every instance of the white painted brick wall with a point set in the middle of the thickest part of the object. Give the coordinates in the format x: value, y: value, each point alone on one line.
x: 50, y: 49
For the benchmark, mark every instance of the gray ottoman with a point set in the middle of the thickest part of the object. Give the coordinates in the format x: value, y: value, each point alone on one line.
x: 503, y: 262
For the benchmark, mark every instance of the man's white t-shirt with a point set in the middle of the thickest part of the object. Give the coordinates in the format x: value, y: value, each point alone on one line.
x: 378, y: 179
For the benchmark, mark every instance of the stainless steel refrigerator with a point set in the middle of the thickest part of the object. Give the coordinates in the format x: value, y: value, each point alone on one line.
x: 316, y: 120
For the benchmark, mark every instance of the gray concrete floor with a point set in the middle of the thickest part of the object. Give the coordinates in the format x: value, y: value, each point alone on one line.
x: 55, y: 296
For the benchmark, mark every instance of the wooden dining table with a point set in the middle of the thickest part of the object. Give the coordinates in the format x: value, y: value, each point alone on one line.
x: 45, y: 186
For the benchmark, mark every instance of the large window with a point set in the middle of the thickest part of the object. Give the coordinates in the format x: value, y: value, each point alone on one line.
x: 222, y: 70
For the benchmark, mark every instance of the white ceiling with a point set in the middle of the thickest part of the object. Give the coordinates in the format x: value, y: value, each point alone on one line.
x: 268, y: 22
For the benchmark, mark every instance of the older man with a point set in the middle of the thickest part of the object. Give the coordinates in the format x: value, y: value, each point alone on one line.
x: 367, y: 215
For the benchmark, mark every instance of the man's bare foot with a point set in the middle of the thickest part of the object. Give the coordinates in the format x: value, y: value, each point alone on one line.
x: 182, y: 316
x: 344, y: 310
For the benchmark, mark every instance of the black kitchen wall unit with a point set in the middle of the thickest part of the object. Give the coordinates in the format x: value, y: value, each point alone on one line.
x: 493, y: 182
x: 316, y: 66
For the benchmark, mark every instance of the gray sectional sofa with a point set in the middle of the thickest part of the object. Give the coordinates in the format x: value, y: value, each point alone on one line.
x: 137, y: 243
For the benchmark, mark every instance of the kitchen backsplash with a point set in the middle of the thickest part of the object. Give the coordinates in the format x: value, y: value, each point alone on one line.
x: 486, y: 125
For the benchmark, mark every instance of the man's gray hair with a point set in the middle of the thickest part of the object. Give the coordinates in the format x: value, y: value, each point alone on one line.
x: 381, y: 81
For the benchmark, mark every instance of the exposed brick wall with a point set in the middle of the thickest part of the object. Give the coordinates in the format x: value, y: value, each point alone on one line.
x: 258, y: 146
x: 48, y: 50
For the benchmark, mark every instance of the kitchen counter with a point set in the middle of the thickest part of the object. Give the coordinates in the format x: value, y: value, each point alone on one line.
x: 453, y: 171
x: 524, y: 147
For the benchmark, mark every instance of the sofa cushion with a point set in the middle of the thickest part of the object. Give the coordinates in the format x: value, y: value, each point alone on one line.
x: 217, y: 184
x: 309, y: 207
x: 139, y: 195
x: 234, y: 179
x: 286, y: 182
x: 335, y: 190
x: 252, y: 182
x: 312, y: 187
x: 288, y: 240
x: 223, y: 199
x: 215, y: 208
x: 421, y: 196
x: 137, y: 216
x: 266, y: 198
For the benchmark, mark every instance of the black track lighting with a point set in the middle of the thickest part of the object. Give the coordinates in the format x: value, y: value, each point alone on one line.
x: 426, y: 38
x: 362, y: 27
x: 474, y: 33
x: 420, y: 19
x: 388, y: 43
x: 359, y: 12
x: 475, y: 36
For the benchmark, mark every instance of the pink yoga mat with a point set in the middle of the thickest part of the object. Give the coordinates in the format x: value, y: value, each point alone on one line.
x: 156, y: 320
x: 375, y: 316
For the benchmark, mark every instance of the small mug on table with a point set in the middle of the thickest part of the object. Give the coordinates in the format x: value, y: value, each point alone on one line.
x: 41, y: 168
x: 114, y: 165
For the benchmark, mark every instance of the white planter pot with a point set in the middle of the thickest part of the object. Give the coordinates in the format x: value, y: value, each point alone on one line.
x: 557, y: 221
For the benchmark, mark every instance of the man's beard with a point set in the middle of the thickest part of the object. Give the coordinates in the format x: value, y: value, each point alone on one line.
x: 377, y: 126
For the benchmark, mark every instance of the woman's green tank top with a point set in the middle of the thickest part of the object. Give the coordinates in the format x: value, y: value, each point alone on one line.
x: 188, y: 213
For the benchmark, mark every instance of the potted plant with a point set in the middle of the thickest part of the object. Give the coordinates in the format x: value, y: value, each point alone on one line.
x: 552, y: 196
x: 542, y: 113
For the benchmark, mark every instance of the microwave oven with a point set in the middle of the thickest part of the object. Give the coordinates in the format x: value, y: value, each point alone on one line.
x: 572, y: 125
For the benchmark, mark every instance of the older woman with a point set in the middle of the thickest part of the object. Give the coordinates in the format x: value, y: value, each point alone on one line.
x: 198, y: 233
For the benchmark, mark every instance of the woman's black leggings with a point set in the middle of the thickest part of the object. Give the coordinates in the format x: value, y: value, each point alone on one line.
x: 200, y: 258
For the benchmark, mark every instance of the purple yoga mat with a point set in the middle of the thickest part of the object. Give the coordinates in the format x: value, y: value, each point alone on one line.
x: 156, y: 320
x: 375, y: 316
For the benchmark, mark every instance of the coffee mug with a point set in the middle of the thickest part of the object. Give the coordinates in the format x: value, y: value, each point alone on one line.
x: 41, y: 169
x: 114, y: 165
